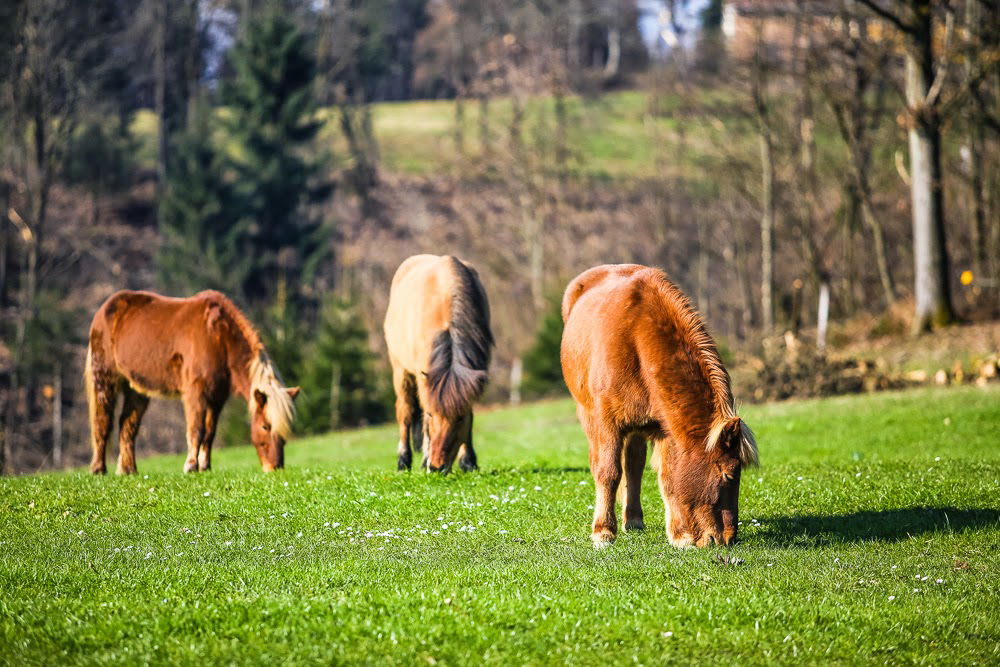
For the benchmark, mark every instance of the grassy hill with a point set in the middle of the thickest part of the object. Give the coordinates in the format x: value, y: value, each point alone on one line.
x: 617, y: 135
x: 870, y: 533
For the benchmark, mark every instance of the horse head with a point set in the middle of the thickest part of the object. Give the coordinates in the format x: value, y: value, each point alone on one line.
x: 270, y: 425
x: 703, y: 486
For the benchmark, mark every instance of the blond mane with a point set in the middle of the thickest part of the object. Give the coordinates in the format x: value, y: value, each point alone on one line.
x: 280, y: 408
x: 264, y: 377
x: 702, y: 348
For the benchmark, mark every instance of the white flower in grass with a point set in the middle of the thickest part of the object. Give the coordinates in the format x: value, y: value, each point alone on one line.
x: 207, y: 494
x: 892, y: 597
x: 503, y: 532
x: 149, y: 555
x: 799, y: 478
x: 436, y: 532
x: 939, y: 581
x: 286, y: 484
x: 538, y: 488
x: 668, y: 634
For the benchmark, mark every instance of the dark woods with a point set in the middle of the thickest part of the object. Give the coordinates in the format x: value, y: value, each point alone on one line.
x: 793, y: 150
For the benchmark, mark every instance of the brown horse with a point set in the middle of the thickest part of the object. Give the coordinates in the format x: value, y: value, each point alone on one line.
x: 437, y: 329
x: 641, y: 366
x: 201, y: 350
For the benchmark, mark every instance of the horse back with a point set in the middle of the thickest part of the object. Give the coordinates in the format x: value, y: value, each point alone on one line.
x: 157, y: 342
x: 419, y: 308
x: 603, y: 311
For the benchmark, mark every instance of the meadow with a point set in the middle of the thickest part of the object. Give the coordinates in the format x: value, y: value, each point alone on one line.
x: 870, y: 533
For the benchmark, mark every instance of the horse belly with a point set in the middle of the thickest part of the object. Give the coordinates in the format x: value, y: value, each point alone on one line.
x: 149, y: 359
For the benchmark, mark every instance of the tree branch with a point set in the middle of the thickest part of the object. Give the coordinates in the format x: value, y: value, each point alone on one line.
x: 887, y: 15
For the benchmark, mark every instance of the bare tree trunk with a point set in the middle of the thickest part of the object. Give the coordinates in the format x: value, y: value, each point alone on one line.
x: 759, y: 85
x: 335, y: 416
x: 930, y: 255
x: 459, y: 132
x: 160, y: 90
x: 977, y: 142
x: 57, y: 418
x: 484, y: 124
x: 613, y: 62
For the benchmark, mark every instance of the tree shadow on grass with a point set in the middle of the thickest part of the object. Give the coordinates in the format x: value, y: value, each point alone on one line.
x: 875, y: 526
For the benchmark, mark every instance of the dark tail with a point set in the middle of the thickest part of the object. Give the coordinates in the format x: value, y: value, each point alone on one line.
x: 460, y: 355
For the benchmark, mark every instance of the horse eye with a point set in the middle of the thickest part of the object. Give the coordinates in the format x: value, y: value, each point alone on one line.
x: 266, y: 427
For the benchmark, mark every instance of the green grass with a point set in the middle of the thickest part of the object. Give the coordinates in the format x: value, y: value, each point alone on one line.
x: 870, y: 534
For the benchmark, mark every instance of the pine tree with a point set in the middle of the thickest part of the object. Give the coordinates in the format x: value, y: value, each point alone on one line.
x: 342, y: 384
x: 542, y: 368
x: 271, y: 122
x: 203, y: 236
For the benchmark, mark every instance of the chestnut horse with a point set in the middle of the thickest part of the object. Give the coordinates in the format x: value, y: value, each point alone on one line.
x: 638, y: 360
x: 201, y: 350
x: 437, y: 329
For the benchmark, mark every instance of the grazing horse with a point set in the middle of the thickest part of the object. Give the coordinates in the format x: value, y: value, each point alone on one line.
x: 437, y: 329
x: 638, y: 360
x: 201, y: 350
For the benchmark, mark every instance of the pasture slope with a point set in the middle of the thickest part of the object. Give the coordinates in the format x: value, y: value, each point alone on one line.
x: 869, y: 534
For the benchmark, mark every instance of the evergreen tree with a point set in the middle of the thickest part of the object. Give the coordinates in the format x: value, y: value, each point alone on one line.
x: 272, y: 124
x: 203, y: 235
x: 342, y: 384
x: 542, y: 368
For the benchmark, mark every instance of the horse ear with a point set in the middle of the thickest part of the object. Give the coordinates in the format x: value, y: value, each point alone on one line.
x: 293, y: 392
x: 732, y: 434
x: 260, y: 397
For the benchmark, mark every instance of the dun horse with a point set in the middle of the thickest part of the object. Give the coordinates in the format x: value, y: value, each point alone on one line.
x: 641, y: 366
x: 201, y: 350
x: 437, y: 329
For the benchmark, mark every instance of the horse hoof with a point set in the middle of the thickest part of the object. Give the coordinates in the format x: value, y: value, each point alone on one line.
x: 635, y: 524
x: 468, y: 466
x: 403, y: 466
x: 190, y: 467
x: 125, y: 471
x: 602, y: 538
x: 98, y: 470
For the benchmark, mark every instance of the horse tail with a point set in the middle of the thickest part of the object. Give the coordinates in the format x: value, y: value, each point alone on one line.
x: 460, y: 355
x: 88, y: 383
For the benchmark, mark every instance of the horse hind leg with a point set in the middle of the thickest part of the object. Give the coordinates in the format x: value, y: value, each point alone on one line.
x: 634, y: 462
x: 102, y: 391
x: 133, y: 408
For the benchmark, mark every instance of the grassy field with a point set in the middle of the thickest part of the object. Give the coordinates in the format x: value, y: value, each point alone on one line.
x: 869, y: 534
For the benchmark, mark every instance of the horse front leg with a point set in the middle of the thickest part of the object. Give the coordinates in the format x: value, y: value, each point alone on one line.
x: 194, y: 416
x: 467, y: 454
x: 133, y: 408
x: 208, y: 437
x: 606, y: 468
